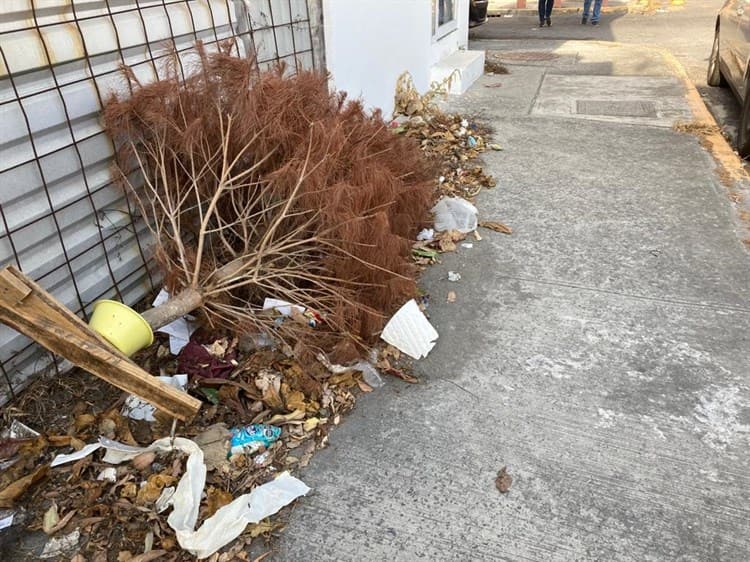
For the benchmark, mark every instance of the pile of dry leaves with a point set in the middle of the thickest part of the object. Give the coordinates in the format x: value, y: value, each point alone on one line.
x: 111, y: 510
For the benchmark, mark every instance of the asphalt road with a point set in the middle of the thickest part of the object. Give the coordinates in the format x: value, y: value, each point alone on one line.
x: 687, y: 32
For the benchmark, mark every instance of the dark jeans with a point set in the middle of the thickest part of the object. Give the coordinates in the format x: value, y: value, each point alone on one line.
x: 545, y: 9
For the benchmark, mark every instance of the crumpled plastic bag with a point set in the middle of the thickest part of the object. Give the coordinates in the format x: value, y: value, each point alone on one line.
x: 228, y: 522
x: 455, y: 213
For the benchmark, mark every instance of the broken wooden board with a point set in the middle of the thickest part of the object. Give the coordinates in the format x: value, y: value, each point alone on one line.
x: 28, y: 308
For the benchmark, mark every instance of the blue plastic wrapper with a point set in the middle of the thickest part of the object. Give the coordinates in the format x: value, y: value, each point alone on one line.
x: 252, y: 437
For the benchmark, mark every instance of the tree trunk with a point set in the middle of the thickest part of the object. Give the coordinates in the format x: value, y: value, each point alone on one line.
x: 176, y: 307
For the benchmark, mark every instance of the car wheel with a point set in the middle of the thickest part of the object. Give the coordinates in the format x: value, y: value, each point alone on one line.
x: 714, y: 76
x: 743, y: 136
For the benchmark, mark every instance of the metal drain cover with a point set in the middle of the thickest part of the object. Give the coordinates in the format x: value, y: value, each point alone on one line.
x: 616, y: 108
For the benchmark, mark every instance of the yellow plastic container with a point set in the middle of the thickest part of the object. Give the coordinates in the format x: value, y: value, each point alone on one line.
x: 121, y: 326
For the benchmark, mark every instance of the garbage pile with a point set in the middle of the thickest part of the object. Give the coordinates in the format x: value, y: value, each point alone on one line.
x: 97, y: 470
x: 290, y: 226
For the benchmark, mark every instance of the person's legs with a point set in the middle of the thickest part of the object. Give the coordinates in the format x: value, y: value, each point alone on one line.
x: 550, y: 4
x: 597, y: 11
x: 586, y: 8
x: 542, y: 10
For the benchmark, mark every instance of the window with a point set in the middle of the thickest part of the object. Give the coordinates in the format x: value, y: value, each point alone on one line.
x: 443, y: 17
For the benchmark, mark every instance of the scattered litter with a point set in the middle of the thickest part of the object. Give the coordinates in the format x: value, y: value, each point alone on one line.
x: 369, y: 374
x: 455, y: 213
x: 199, y: 361
x: 179, y: 330
x: 165, y: 499
x: 17, y: 430
x: 410, y: 331
x: 471, y: 141
x: 295, y: 311
x: 495, y: 146
x: 495, y: 85
x: 467, y: 245
x: 464, y: 123
x: 426, y: 234
x: 61, y: 547
x: 76, y: 456
x: 503, y: 480
x: 230, y: 521
x: 7, y: 521
x: 138, y: 409
x: 496, y: 226
x: 282, y: 307
x: 249, y: 439
x: 451, y: 296
x: 454, y: 277
x: 108, y: 475
x: 262, y: 459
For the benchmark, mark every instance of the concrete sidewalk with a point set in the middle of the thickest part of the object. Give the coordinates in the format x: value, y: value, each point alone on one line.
x: 600, y: 352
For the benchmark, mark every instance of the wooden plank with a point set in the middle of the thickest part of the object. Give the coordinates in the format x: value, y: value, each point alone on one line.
x: 12, y: 288
x: 47, y: 322
x: 62, y: 314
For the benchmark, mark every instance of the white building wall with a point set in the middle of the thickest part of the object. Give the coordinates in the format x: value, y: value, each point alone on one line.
x: 369, y: 43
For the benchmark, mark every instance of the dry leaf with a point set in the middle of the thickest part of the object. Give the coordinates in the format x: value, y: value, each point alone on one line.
x: 151, y: 491
x: 62, y: 522
x: 144, y: 460
x: 398, y: 373
x: 216, y: 498
x: 451, y: 296
x: 58, y: 441
x: 148, y: 556
x: 363, y: 386
x: 51, y: 519
x: 496, y: 226
x: 262, y: 528
x: 447, y: 245
x: 503, y: 480
x: 296, y: 415
x: 83, y: 421
x: 310, y: 424
x: 129, y: 490
x: 295, y: 400
x: 19, y: 487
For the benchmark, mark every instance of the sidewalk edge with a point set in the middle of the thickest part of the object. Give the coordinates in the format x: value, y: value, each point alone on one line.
x: 720, y: 147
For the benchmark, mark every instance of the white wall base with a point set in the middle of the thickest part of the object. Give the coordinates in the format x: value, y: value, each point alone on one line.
x: 469, y: 64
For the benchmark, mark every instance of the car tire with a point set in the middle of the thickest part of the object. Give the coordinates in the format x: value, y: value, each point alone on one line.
x: 743, y: 135
x: 714, y: 76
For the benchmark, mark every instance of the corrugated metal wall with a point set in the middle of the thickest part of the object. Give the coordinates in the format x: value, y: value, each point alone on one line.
x: 62, y: 221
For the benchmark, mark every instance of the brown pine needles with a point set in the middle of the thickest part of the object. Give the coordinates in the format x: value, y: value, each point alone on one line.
x: 257, y: 184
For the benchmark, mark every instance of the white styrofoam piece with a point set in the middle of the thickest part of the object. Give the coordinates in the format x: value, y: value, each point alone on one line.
x: 410, y: 331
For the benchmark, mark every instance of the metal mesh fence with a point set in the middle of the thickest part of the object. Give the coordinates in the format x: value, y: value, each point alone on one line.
x: 62, y: 221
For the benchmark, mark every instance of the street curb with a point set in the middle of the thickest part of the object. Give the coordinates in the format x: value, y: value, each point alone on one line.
x: 721, y: 150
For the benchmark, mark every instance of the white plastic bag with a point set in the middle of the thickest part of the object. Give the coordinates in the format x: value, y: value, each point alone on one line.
x: 454, y: 213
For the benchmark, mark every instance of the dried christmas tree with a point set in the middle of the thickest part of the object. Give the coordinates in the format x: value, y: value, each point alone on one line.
x: 259, y: 184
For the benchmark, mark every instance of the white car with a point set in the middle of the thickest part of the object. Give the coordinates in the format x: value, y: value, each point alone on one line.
x: 730, y: 62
